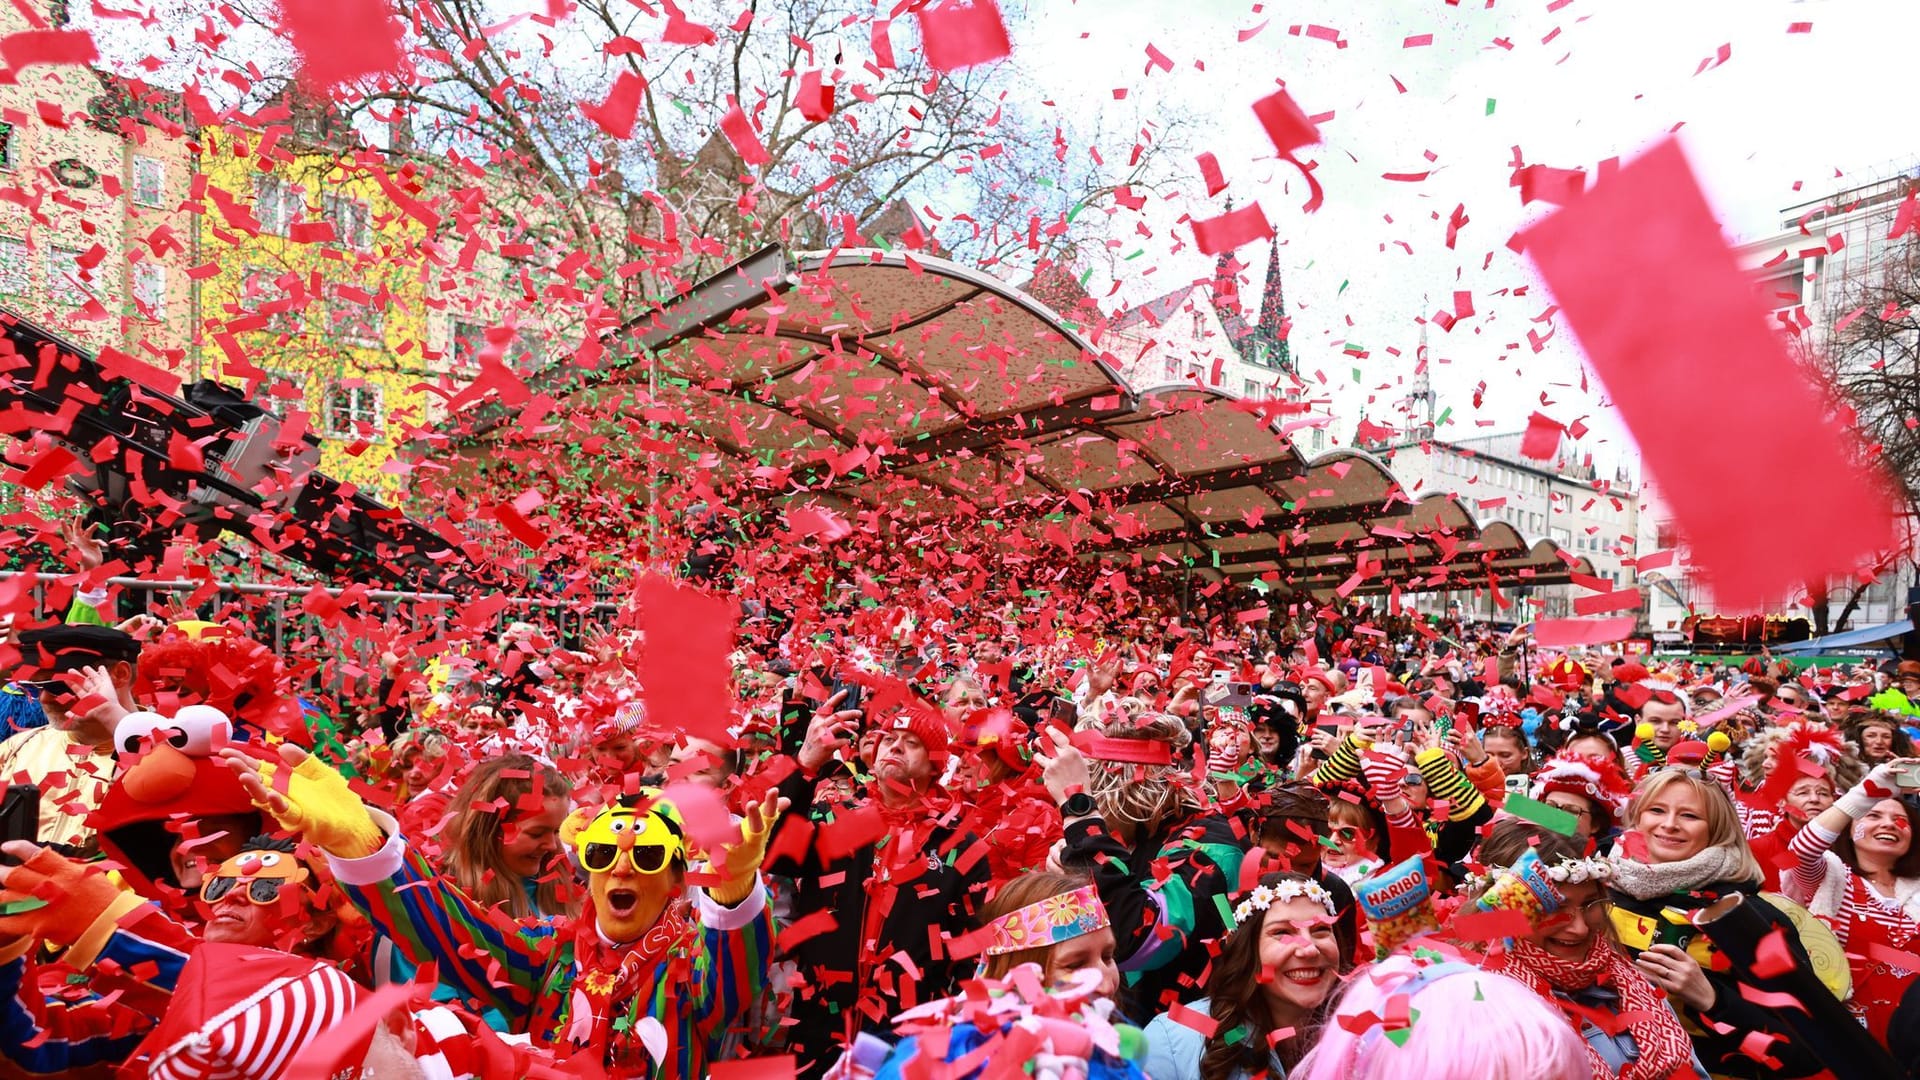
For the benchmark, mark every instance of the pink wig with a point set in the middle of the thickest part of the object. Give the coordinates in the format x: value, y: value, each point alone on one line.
x: 1470, y: 1025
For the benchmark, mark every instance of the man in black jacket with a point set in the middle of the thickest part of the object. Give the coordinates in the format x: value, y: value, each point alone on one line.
x: 893, y: 874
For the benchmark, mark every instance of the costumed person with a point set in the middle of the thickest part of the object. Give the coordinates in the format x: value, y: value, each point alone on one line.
x: 1414, y: 1018
x: 645, y: 982
x: 1682, y: 851
x: 1266, y: 989
x: 1164, y: 863
x: 914, y: 877
x: 175, y: 809
x: 127, y: 953
x: 1857, y: 869
x: 1592, y: 789
x: 1567, y: 955
x: 1505, y: 741
x: 1797, y: 771
x: 1007, y: 806
x: 83, y: 677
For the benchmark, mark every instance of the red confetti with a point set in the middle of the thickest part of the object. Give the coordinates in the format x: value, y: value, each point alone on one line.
x: 955, y: 36
x: 28, y: 47
x: 1232, y: 229
x: 1639, y: 267
x: 741, y: 134
x: 1210, y: 172
x: 342, y: 40
x: 1557, y: 633
x: 616, y: 114
x: 684, y: 665
x: 1543, y: 436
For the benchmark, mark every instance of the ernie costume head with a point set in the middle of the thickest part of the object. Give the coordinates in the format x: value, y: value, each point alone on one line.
x: 636, y: 864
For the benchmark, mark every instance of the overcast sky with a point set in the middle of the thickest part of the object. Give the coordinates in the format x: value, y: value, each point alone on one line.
x: 1591, y: 80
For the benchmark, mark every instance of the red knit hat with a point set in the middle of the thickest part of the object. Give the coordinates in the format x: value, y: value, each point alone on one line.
x: 926, y: 724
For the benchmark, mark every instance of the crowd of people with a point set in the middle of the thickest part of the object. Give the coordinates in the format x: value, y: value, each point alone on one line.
x: 1342, y: 843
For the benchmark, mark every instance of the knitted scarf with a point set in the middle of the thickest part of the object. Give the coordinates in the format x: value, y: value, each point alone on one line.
x: 609, y: 978
x: 1665, y: 1049
x: 1644, y: 881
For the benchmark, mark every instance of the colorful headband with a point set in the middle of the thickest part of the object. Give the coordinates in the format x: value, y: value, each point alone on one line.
x: 1058, y: 918
x: 1265, y: 896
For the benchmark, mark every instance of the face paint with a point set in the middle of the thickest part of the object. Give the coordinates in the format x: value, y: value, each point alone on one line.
x: 635, y: 864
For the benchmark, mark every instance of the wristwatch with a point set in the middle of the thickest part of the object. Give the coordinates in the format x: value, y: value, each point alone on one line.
x: 1078, y: 805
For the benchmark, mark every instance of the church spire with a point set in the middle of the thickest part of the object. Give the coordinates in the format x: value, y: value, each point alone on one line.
x: 1270, y: 333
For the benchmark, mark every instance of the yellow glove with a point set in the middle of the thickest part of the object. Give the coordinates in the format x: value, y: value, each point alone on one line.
x: 740, y: 862
x: 315, y: 802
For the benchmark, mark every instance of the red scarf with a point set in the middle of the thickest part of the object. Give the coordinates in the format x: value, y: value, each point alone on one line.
x: 607, y: 978
x: 1665, y: 1049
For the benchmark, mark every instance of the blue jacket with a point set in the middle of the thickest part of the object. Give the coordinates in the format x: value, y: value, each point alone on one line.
x: 1174, y: 1049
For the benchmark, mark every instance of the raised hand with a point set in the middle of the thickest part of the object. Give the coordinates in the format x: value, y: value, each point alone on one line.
x: 828, y: 731
x: 314, y: 801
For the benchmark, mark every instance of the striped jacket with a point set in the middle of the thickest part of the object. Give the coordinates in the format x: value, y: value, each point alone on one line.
x: 666, y: 1030
x: 50, y: 1026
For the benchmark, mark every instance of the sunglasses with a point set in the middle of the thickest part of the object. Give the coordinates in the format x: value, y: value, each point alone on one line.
x: 260, y: 890
x: 644, y: 858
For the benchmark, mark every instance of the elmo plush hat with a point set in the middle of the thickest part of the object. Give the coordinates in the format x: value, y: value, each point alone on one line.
x: 168, y: 773
x: 202, y: 663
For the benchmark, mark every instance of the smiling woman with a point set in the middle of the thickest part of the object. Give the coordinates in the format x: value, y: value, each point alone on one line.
x: 1683, y: 850
x: 1274, y: 974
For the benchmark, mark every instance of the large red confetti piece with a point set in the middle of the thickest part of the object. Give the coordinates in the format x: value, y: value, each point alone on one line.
x: 1615, y: 600
x: 1668, y: 320
x: 684, y: 663
x: 616, y: 114
x: 741, y: 135
x: 1491, y: 925
x: 684, y: 31
x: 55, y: 47
x: 815, y: 97
x: 342, y: 40
x: 955, y: 35
x: 1232, y: 229
x: 1543, y: 183
x: 1543, y: 436
x: 1193, y: 1019
x: 1773, y: 958
x: 1285, y: 124
x: 1559, y: 633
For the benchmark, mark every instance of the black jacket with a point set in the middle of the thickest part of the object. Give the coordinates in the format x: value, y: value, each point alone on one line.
x: 1165, y: 898
x: 919, y: 901
x: 1732, y: 1012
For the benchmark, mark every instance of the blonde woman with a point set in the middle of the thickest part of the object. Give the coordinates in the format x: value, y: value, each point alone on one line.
x: 1684, y: 849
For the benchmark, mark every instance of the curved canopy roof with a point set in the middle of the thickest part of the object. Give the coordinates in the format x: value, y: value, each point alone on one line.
x: 920, y: 386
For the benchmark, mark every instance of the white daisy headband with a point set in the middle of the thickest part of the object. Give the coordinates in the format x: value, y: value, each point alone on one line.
x: 1265, y: 896
x: 1564, y: 872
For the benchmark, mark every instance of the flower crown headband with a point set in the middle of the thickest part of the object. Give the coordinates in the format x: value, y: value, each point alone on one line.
x: 1265, y: 896
x: 1057, y: 918
x: 1564, y: 872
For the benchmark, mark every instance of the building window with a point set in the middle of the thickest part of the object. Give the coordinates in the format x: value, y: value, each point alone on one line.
x: 276, y: 204
x: 63, y: 276
x: 9, y: 147
x: 262, y: 292
x: 149, y: 181
x: 353, y: 410
x: 354, y: 321
x: 352, y: 222
x: 150, y: 289
x: 1170, y: 369
x: 16, y: 266
x: 523, y: 353
x: 1252, y: 389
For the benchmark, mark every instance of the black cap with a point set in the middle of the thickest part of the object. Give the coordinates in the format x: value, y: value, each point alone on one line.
x: 72, y: 646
